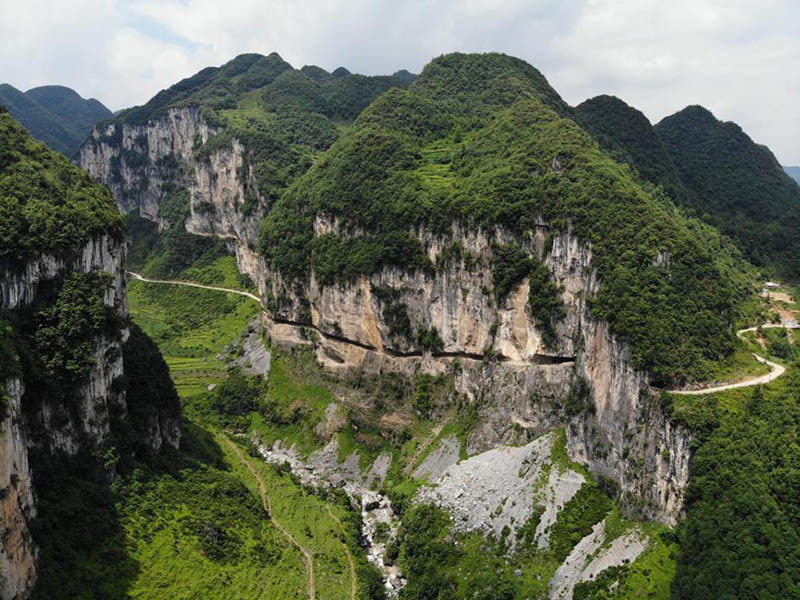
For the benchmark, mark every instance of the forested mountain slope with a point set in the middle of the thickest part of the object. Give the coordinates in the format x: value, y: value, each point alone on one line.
x: 77, y: 405
x: 737, y: 186
x: 627, y: 136
x: 54, y: 114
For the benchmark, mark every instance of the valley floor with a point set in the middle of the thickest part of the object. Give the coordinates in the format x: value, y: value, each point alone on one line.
x: 508, y: 524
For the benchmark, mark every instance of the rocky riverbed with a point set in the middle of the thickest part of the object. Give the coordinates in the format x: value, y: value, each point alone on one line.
x: 379, y: 523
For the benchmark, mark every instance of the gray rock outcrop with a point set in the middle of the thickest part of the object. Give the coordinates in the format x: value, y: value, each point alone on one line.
x: 519, y: 382
x: 96, y: 402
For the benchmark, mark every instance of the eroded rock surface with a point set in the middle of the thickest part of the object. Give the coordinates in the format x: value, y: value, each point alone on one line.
x: 591, y: 556
x: 504, y: 487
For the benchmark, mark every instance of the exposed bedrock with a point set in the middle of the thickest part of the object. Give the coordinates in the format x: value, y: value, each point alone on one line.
x: 523, y: 385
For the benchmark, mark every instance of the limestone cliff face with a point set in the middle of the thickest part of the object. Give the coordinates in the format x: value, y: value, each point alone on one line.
x: 48, y: 427
x: 139, y: 164
x: 581, y: 377
x: 524, y: 386
x: 18, y: 553
x: 135, y: 161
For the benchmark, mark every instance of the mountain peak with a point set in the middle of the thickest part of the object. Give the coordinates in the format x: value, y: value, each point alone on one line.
x: 54, y: 114
x: 494, y: 77
x: 316, y: 73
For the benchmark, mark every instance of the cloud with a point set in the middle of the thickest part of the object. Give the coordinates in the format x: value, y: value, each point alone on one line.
x: 737, y: 57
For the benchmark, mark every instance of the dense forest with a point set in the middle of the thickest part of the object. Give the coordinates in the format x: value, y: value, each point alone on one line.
x: 54, y: 114
x: 627, y: 136
x: 737, y: 186
x: 46, y: 203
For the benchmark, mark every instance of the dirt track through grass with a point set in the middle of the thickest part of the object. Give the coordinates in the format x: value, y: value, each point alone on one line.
x: 262, y: 488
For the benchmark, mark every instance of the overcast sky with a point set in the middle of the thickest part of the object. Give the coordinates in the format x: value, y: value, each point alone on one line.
x: 739, y: 58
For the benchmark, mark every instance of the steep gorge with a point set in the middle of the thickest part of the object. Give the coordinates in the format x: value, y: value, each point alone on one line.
x: 523, y: 375
x: 63, y: 313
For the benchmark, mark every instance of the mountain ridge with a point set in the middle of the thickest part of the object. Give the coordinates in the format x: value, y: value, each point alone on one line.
x: 54, y: 114
x: 739, y: 184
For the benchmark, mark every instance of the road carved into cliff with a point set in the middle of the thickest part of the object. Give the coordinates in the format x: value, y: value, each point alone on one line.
x: 262, y: 489
x: 538, y: 359
x: 777, y: 371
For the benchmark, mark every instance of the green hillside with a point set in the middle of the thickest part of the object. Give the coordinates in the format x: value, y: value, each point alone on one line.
x: 46, y: 203
x: 54, y: 114
x: 737, y: 186
x: 483, y: 140
x: 627, y: 136
x: 341, y: 95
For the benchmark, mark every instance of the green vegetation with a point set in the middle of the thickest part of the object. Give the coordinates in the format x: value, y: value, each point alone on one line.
x: 47, y: 205
x: 191, y: 530
x: 737, y: 186
x: 515, y: 162
x: 510, y: 265
x: 311, y: 518
x: 54, y: 114
x: 627, y: 136
x: 66, y: 329
x: 9, y: 363
x: 441, y: 563
x: 742, y: 532
x: 192, y: 326
x: 198, y: 549
x: 296, y: 405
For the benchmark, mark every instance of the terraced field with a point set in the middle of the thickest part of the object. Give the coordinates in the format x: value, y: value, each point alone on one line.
x: 436, y: 160
x: 192, y: 326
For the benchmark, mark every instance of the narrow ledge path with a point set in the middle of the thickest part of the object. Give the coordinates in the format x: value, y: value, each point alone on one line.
x: 262, y: 488
x: 538, y: 359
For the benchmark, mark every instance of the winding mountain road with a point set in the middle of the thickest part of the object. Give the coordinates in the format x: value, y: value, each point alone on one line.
x: 196, y: 285
x: 777, y: 371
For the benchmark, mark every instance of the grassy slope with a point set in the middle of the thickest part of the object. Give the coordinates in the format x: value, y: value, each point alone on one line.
x: 204, y: 533
x: 193, y: 327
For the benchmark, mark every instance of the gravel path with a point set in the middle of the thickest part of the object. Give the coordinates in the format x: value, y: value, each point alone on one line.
x: 777, y: 371
x: 197, y: 285
x: 349, y: 558
x: 262, y: 488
